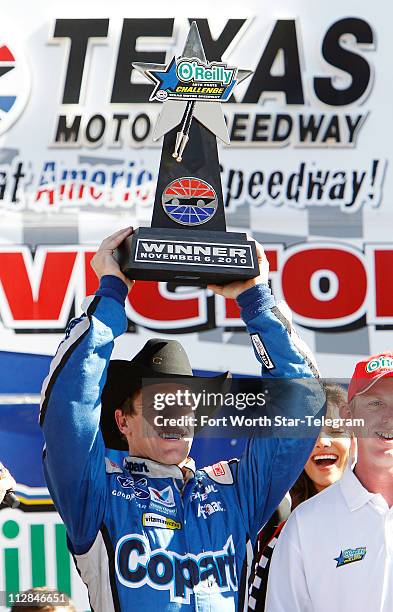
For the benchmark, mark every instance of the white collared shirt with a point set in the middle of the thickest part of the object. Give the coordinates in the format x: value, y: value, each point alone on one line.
x: 335, y: 554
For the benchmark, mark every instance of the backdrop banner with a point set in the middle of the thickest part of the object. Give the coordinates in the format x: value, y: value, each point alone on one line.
x: 307, y: 174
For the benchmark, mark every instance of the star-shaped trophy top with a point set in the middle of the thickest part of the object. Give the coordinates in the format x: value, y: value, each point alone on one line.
x: 191, y: 87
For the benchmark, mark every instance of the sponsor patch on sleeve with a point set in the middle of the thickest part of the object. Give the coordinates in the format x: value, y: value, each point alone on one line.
x: 112, y: 467
x: 262, y: 352
x: 220, y: 472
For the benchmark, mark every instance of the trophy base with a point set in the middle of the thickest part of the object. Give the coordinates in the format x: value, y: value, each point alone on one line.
x: 187, y: 257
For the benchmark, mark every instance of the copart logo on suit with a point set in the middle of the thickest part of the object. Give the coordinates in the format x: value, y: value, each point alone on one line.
x: 14, y: 84
x: 211, y: 571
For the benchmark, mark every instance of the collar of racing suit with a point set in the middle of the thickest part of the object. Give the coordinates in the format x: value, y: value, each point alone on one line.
x: 153, y: 469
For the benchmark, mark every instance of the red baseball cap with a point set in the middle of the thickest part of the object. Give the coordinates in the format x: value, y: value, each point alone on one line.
x: 368, y: 372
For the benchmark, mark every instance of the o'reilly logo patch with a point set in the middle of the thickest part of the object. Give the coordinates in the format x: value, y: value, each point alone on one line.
x: 262, y: 352
x: 151, y: 519
x: 350, y: 555
x: 379, y: 363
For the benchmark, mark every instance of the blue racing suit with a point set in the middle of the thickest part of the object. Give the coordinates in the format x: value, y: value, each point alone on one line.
x: 147, y: 536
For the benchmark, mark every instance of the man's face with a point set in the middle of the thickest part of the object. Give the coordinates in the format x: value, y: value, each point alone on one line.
x: 166, y: 443
x: 375, y: 440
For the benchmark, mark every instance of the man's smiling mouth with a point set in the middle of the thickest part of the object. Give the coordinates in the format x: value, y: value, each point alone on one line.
x: 384, y: 435
x: 171, y: 435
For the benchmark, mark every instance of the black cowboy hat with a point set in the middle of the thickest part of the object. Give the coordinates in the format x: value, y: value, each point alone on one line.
x: 159, y: 358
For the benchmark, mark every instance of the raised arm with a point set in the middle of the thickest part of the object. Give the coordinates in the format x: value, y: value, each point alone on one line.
x: 74, y: 453
x: 270, y: 465
x: 277, y: 346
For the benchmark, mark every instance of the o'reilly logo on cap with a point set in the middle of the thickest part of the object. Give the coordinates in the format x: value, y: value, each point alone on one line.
x: 379, y: 363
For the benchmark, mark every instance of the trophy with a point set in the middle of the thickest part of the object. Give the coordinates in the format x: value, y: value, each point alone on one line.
x: 187, y: 242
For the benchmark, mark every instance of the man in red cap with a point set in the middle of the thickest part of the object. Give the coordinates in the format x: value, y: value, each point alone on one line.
x: 370, y: 397
x: 335, y: 551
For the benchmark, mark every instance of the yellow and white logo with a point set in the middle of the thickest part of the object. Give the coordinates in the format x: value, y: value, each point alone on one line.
x: 151, y: 519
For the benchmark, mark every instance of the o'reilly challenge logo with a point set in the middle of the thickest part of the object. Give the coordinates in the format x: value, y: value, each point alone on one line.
x: 14, y: 86
x: 192, y: 79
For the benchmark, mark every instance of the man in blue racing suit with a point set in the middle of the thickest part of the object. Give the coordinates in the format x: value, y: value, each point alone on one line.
x: 156, y: 533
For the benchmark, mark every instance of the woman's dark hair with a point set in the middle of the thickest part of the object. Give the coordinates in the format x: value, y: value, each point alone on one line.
x: 304, y: 487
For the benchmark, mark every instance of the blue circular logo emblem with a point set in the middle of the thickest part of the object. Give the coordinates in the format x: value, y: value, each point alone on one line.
x: 189, y: 201
x: 14, y: 86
